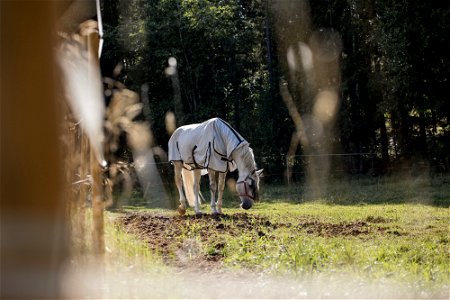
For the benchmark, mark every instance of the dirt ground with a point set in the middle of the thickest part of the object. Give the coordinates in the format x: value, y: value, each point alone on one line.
x: 164, y: 234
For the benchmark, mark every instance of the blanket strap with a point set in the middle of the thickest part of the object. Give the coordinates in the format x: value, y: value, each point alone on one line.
x: 247, y: 187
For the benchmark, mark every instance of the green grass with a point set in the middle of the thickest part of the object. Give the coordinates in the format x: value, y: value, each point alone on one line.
x: 413, y: 246
x: 126, y: 249
x: 407, y: 238
x: 122, y: 250
x: 359, y: 190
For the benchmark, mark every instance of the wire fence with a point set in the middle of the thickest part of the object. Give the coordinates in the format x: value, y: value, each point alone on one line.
x: 289, y: 169
x: 328, y: 164
x: 296, y: 167
x: 290, y: 174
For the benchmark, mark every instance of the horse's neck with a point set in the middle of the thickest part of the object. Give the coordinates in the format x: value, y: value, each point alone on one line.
x: 244, y: 166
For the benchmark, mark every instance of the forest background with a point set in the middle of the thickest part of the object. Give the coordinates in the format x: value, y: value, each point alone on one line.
x: 248, y: 61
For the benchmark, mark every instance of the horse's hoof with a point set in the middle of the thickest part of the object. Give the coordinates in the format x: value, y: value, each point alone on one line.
x: 181, y: 210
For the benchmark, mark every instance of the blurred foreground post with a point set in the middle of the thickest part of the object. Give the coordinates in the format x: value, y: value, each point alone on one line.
x: 96, y: 172
x: 33, y: 232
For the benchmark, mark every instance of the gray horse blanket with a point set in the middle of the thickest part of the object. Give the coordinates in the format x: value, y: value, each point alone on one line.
x: 205, y: 145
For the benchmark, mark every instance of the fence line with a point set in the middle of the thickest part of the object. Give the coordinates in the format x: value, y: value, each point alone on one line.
x: 331, y: 154
x: 291, y: 159
x: 365, y: 161
x: 296, y: 170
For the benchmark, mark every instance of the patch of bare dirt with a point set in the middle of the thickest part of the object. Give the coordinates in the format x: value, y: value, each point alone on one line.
x: 377, y: 219
x: 163, y: 233
x: 177, y: 237
x: 330, y: 229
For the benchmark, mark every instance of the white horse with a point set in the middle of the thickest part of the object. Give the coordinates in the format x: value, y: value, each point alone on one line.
x: 216, y: 147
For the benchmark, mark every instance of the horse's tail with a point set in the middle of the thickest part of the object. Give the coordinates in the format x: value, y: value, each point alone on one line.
x: 188, y: 185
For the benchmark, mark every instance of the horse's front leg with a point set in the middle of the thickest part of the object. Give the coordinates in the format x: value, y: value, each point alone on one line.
x: 213, y: 189
x: 197, y: 177
x: 221, y: 187
x: 179, y: 182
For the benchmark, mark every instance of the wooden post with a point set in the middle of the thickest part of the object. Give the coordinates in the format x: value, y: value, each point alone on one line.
x: 96, y: 171
x: 82, y: 149
x: 33, y: 231
x: 288, y: 170
x: 97, y: 206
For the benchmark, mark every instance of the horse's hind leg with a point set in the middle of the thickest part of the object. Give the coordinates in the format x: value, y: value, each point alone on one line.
x: 221, y: 187
x: 179, y: 182
x: 213, y: 189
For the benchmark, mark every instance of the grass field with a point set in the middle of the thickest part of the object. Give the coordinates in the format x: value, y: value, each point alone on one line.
x: 364, y: 238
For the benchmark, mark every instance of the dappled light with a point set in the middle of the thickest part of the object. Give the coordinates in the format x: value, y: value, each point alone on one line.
x: 306, y: 57
x: 172, y: 68
x: 224, y: 149
x: 170, y: 122
x: 314, y: 126
x: 326, y: 106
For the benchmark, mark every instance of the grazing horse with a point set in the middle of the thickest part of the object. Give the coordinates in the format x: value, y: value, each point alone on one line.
x: 216, y: 147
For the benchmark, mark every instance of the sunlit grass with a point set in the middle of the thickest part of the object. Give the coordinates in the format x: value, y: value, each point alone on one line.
x: 412, y: 246
x: 369, y: 190
x: 124, y: 249
x: 407, y: 241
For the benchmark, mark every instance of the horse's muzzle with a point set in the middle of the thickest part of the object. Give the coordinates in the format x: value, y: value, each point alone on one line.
x: 246, y: 203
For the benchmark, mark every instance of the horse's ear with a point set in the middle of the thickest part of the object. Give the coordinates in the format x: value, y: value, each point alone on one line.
x: 259, y: 173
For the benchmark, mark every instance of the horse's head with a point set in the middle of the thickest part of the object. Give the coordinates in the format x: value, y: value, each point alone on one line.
x: 248, y: 189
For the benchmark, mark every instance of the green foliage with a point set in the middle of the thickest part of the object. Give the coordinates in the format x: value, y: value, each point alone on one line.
x: 229, y: 62
x: 411, y: 249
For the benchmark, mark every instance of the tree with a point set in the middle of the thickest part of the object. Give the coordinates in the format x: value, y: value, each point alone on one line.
x: 232, y: 55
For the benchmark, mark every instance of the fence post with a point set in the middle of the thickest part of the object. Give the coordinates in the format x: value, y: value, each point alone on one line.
x: 34, y: 245
x: 288, y: 175
x: 96, y: 172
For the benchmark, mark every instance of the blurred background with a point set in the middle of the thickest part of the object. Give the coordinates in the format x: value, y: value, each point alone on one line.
x: 92, y: 90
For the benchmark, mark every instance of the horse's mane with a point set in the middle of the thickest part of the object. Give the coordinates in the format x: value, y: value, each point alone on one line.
x: 247, y: 156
